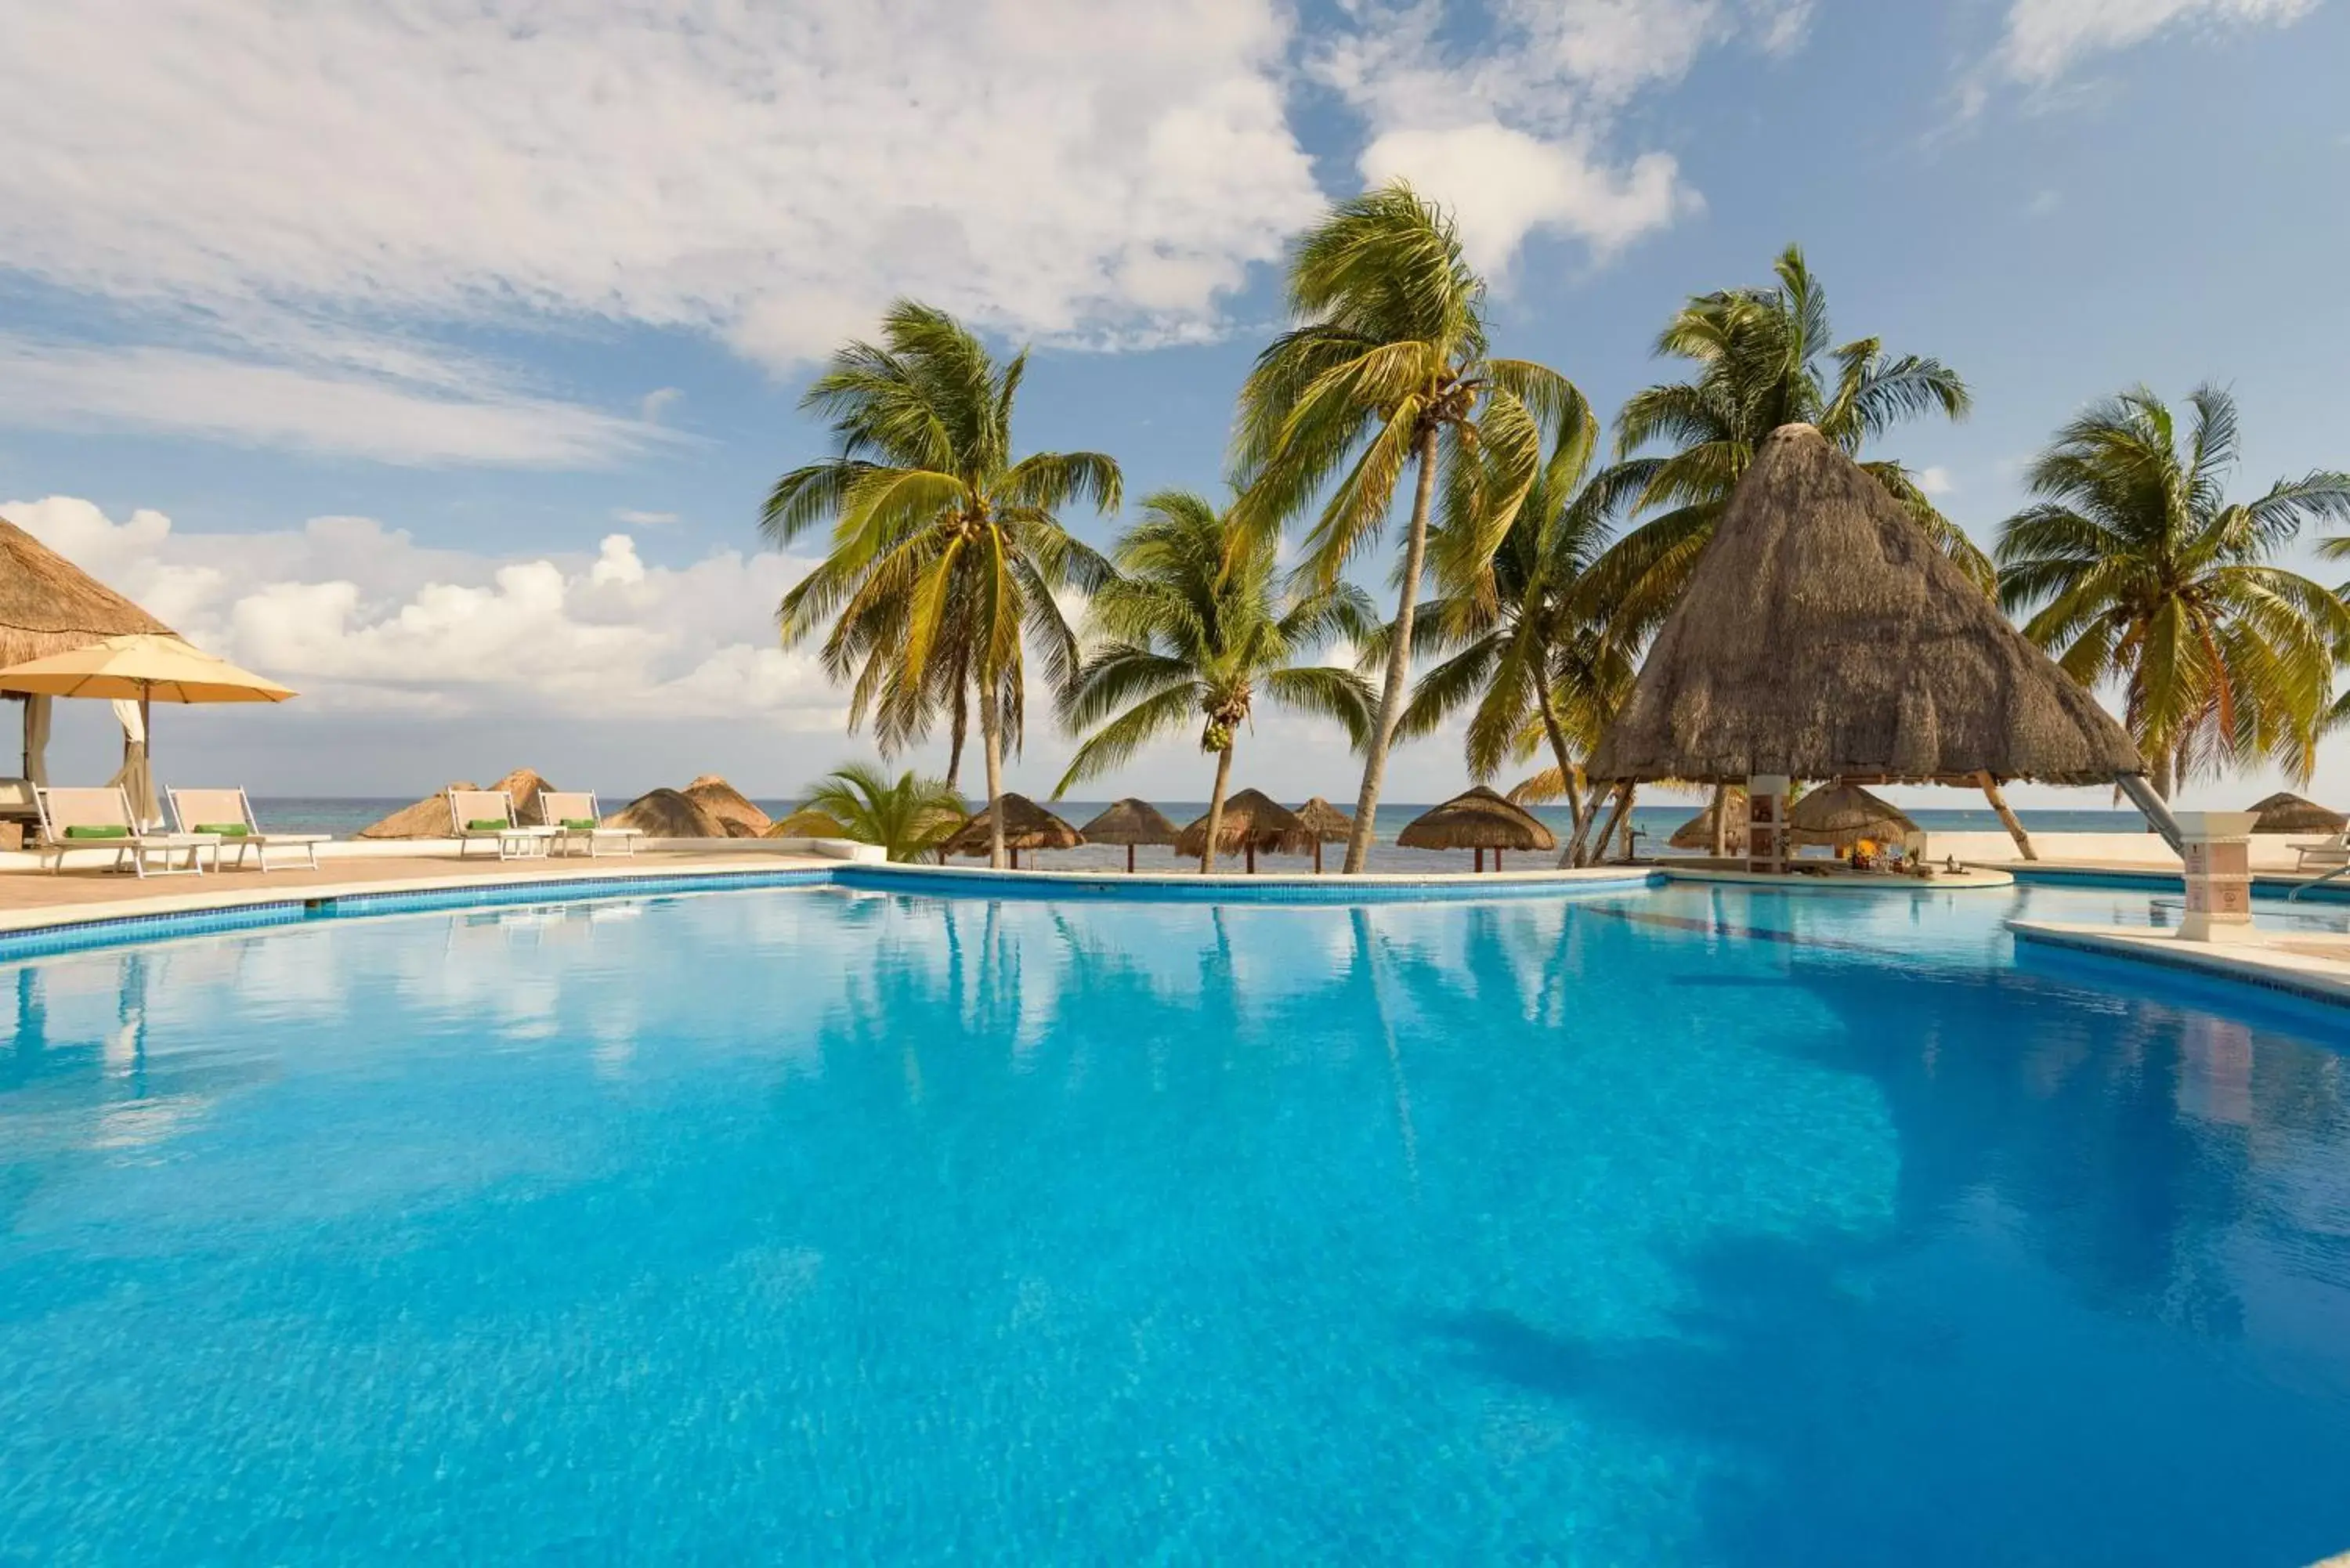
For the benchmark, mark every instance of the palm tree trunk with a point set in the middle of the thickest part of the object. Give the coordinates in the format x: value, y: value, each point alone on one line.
x: 2007, y: 818
x: 991, y: 736
x: 1375, y: 758
x: 1558, y: 748
x: 1216, y: 810
x: 958, y: 726
x: 1616, y: 814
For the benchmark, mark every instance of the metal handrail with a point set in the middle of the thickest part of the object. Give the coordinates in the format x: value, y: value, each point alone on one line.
x: 2317, y: 882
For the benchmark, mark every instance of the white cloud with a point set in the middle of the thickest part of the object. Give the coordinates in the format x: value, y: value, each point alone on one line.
x: 2046, y: 38
x: 636, y: 519
x: 2043, y: 202
x: 1935, y: 481
x: 1512, y: 133
x: 769, y: 174
x: 358, y: 616
x: 429, y: 414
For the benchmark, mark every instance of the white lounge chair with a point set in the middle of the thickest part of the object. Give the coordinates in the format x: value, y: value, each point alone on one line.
x: 2333, y: 855
x: 487, y: 817
x: 573, y: 816
x: 100, y: 818
x: 228, y: 814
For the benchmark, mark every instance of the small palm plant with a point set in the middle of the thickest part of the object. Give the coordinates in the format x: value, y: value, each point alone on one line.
x: 2140, y: 570
x: 1193, y: 629
x: 947, y: 552
x: 1388, y: 369
x: 909, y: 818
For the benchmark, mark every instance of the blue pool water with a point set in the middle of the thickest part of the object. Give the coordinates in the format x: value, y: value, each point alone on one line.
x: 1682, y: 1227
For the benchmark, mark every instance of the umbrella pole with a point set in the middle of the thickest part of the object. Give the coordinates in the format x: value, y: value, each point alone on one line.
x: 1481, y: 858
x: 1497, y: 857
x: 1130, y: 860
x: 1251, y: 853
x: 1317, y: 855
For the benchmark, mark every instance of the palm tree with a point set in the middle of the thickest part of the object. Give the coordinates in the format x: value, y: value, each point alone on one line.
x: 1388, y: 368
x: 909, y: 818
x: 1538, y: 667
x: 946, y: 552
x: 2143, y: 572
x: 1195, y: 629
x: 1758, y: 354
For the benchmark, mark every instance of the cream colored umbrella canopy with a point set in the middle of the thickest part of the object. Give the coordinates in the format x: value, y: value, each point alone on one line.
x: 141, y: 668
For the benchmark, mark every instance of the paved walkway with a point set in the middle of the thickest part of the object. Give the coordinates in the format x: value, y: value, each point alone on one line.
x: 29, y: 900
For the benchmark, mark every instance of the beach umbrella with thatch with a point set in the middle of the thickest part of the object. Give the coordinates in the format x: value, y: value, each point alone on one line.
x: 2285, y: 812
x: 1844, y: 814
x: 48, y: 604
x: 1027, y: 825
x: 1130, y: 821
x: 429, y: 818
x: 730, y: 806
x: 1254, y: 823
x: 1697, y: 833
x: 1478, y: 819
x: 1822, y: 635
x: 1327, y: 824
x: 668, y: 814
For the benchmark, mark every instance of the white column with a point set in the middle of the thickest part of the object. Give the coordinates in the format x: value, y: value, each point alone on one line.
x: 2217, y: 848
x: 1766, y: 822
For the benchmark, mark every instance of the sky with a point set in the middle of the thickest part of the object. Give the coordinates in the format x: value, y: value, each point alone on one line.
x: 434, y: 355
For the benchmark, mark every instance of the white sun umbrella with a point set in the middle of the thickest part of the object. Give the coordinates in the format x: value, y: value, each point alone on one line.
x: 134, y: 672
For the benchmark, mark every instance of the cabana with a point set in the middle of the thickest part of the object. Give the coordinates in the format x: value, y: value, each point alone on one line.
x: 1327, y: 824
x: 1254, y: 823
x: 1130, y: 821
x: 1697, y: 834
x: 1027, y: 825
x: 1823, y: 636
x: 1841, y: 815
x: 2284, y: 812
x: 1478, y: 819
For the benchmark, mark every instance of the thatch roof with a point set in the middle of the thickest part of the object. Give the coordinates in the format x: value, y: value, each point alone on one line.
x: 429, y: 818
x: 1823, y: 635
x: 729, y: 806
x: 1842, y: 814
x: 1252, y: 819
x: 1129, y: 821
x: 48, y: 604
x: 1478, y: 819
x: 1326, y: 821
x: 805, y: 823
x: 1027, y: 825
x: 1697, y: 833
x: 2284, y: 812
x: 668, y: 814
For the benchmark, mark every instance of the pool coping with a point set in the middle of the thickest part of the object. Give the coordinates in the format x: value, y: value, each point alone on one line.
x: 2248, y: 962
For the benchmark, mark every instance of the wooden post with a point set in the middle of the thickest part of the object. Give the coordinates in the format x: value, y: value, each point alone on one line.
x: 2006, y: 818
x: 1481, y: 858
x: 1317, y: 855
x: 1251, y: 853
x: 1497, y: 857
x: 1130, y: 860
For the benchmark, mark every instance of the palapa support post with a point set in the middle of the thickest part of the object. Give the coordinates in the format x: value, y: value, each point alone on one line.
x: 1766, y: 823
x: 2217, y: 849
x: 1480, y: 858
x: 2007, y: 818
x: 1130, y: 860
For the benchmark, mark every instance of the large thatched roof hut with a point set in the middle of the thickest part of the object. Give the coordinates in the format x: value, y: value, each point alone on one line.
x: 668, y: 814
x: 1843, y: 815
x: 48, y: 604
x: 1253, y: 824
x: 2285, y: 812
x: 1130, y: 821
x: 430, y: 817
x: 1478, y: 819
x: 1824, y: 635
x: 1027, y: 825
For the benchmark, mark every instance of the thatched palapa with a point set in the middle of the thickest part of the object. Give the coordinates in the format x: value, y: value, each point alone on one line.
x: 1824, y: 635
x: 668, y: 814
x: 1130, y: 821
x: 1843, y: 815
x: 805, y: 823
x: 1697, y: 833
x: 2284, y: 812
x: 48, y: 604
x: 1027, y: 825
x: 1327, y: 824
x: 1478, y: 819
x: 429, y: 818
x: 732, y: 809
x: 1253, y: 824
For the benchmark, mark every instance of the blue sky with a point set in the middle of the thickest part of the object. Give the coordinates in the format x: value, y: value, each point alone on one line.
x: 433, y: 357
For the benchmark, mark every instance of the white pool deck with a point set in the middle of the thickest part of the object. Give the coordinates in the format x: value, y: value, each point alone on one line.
x: 2311, y: 964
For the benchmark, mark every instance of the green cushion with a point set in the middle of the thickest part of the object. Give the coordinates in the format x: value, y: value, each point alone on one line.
x: 580, y: 824
x: 87, y: 831
x: 225, y: 829
x: 488, y: 825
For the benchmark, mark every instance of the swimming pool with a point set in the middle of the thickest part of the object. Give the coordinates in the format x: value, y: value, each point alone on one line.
x: 1673, y: 1227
